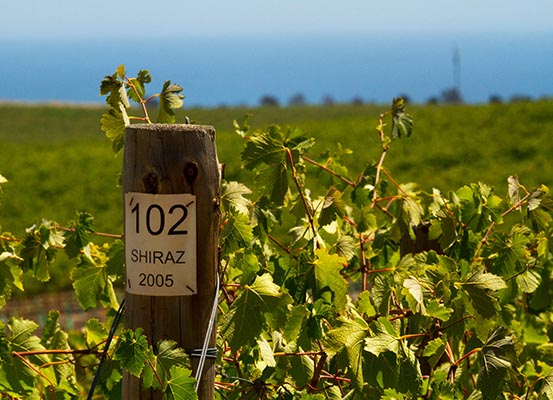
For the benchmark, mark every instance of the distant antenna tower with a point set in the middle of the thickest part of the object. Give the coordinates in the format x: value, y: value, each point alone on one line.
x: 457, y: 68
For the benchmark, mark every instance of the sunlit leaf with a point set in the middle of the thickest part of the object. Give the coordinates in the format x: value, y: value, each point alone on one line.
x: 402, y: 123
x: 132, y: 350
x: 170, y: 98
x: 181, y: 385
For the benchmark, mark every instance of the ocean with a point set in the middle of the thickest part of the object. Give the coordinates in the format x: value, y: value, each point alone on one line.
x: 241, y: 70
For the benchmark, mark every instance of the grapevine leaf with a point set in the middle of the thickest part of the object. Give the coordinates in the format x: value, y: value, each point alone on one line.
x: 91, y: 284
x: 23, y: 340
x: 333, y: 207
x: 266, y: 352
x: 384, y: 338
x: 514, y: 190
x: 529, y: 281
x: 181, y: 386
x: 415, y: 292
x: 113, y: 124
x: 313, y: 397
x: 279, y: 179
x: 233, y: 196
x: 328, y: 277
x: 168, y: 355
x: 264, y: 148
x: 39, y: 248
x: 547, y: 388
x: 434, y: 350
x: 170, y: 98
x: 484, y: 280
x: 116, y: 262
x: 79, y: 234
x: 436, y: 309
x: 237, y: 232
x: 498, y: 354
x: 301, y: 370
x: 10, y: 275
x: 112, y: 86
x: 261, y: 304
x: 242, y: 128
x: 133, y: 351
x: 392, y: 394
x: 2, y: 181
x: 350, y: 337
x: 365, y: 305
x: 95, y: 332
x: 139, y: 84
x: 402, y: 123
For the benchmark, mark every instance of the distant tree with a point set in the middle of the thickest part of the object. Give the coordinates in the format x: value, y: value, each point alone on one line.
x: 328, y: 100
x: 495, y: 99
x: 520, y: 98
x: 297, y: 100
x: 269, y: 101
x: 451, y: 96
x: 357, y: 101
x: 432, y: 100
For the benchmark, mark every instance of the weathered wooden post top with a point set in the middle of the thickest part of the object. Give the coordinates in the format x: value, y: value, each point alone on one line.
x: 172, y: 189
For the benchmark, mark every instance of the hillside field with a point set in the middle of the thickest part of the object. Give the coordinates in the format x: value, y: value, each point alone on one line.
x: 58, y: 161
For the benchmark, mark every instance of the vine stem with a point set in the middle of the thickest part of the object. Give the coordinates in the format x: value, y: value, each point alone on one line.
x: 143, y: 102
x: 470, y: 353
x: 331, y: 172
x: 302, y: 196
x: 35, y: 369
x: 484, y: 239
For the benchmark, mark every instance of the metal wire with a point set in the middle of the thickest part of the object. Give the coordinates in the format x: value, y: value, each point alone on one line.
x: 103, y: 357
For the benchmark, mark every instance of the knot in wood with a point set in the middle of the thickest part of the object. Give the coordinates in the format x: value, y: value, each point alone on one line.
x: 151, y: 182
x: 191, y: 172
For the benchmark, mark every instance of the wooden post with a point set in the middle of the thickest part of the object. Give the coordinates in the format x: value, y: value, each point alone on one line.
x: 174, y: 159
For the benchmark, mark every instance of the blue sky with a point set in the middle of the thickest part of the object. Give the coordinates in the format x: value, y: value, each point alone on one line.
x: 40, y: 19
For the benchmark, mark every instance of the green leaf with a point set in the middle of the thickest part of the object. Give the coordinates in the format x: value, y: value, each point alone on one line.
x: 181, y: 386
x: 95, y: 332
x: 333, y: 207
x: 233, y: 197
x: 497, y: 356
x: 529, y: 281
x: 484, y: 280
x: 415, y: 291
x: 139, y: 84
x: 91, y: 285
x: 365, y: 305
x: 547, y: 388
x: 301, y: 370
x: 328, y: 277
x: 434, y: 350
x: 133, y: 351
x: 435, y: 309
x: 514, y: 190
x: 350, y: 337
x: 170, y: 98
x: 39, y: 248
x: 264, y: 148
x: 384, y: 338
x: 237, y: 233
x: 402, y: 123
x: 243, y: 128
x: 392, y: 394
x: 116, y: 262
x: 260, y: 305
x: 79, y: 235
x: 168, y: 355
x: 113, y: 124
